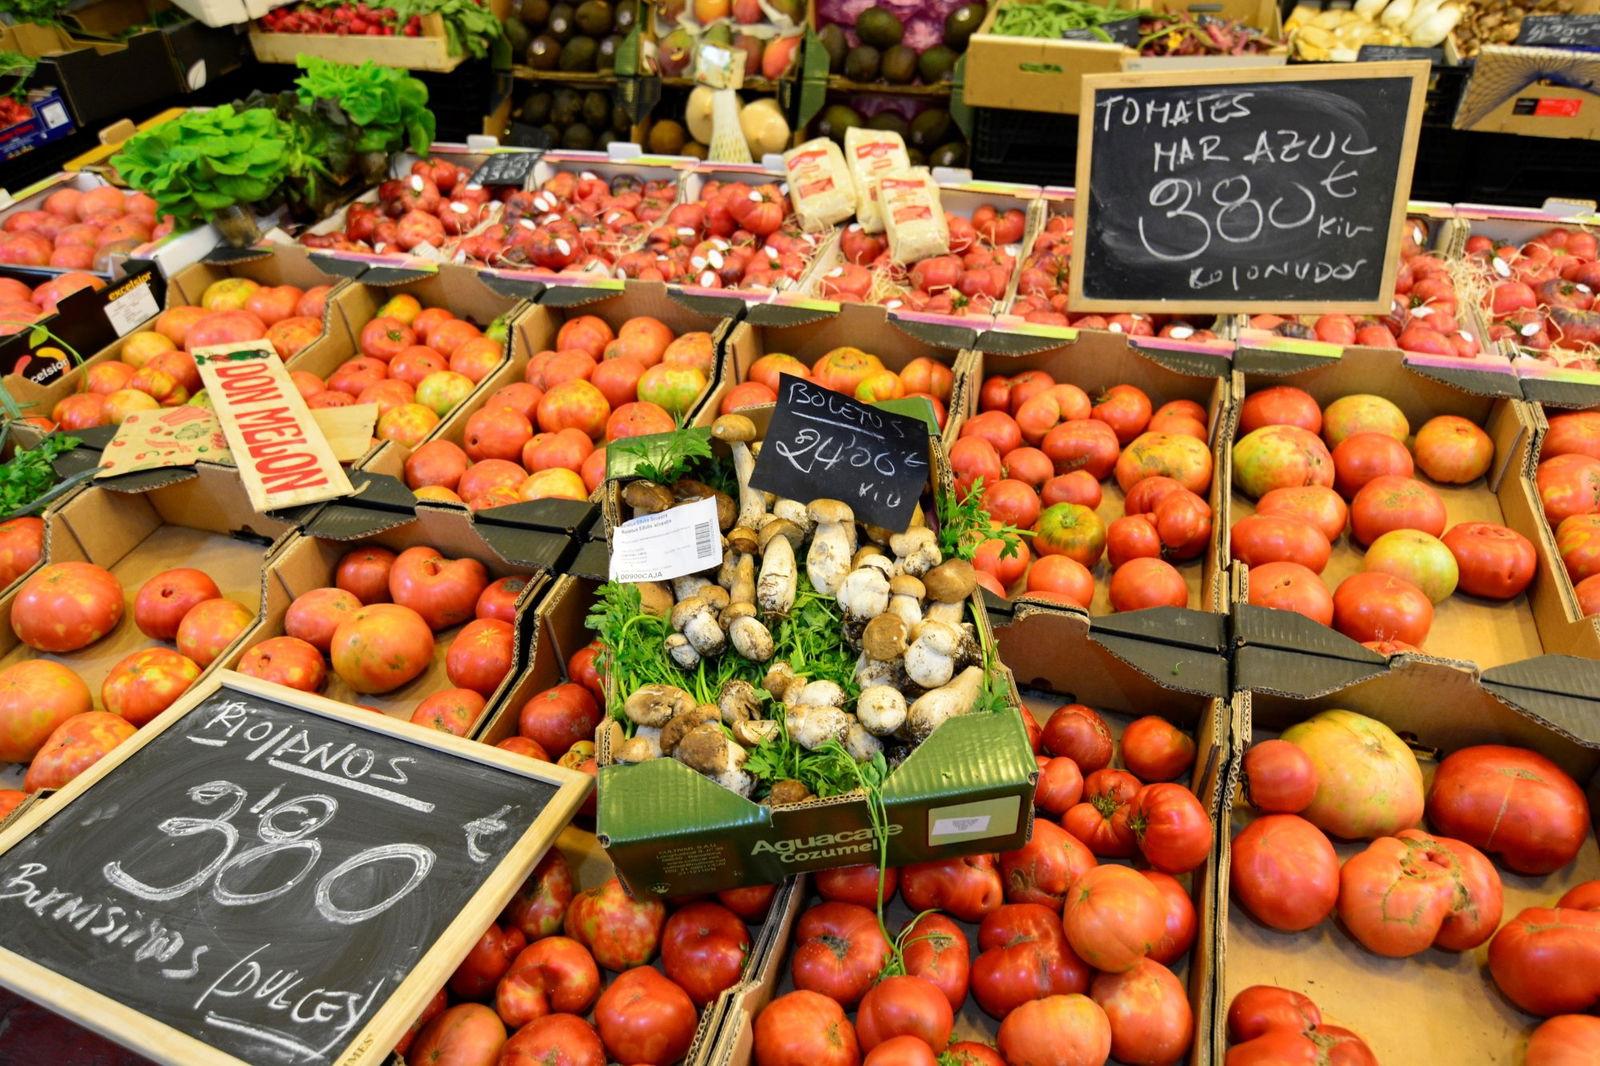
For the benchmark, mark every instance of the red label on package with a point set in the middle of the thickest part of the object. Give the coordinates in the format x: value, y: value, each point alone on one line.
x: 911, y: 214
x: 1558, y: 108
x: 812, y: 188
x: 873, y: 149
x: 806, y: 158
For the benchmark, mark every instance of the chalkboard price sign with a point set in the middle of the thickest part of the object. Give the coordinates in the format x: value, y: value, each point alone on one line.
x: 266, y: 877
x: 822, y: 443
x: 506, y: 168
x: 1581, y: 32
x: 1245, y: 189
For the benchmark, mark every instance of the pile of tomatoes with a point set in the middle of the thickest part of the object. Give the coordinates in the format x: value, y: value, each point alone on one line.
x: 81, y: 230
x: 1045, y: 284
x: 1350, y: 777
x: 1424, y: 317
x: 586, y: 978
x: 572, y: 224
x: 1568, y: 479
x: 850, y: 371
x: 1541, y: 295
x: 1314, y: 472
x: 545, y: 436
x: 432, y: 205
x: 1039, y: 450
x: 47, y: 715
x: 1271, y: 1026
x: 972, y: 278
x: 1072, y: 951
x: 734, y: 236
x: 21, y: 307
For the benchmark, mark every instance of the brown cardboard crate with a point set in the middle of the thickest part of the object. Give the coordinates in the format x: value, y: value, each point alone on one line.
x: 1437, y: 1006
x: 428, y: 51
x: 1562, y: 623
x: 199, y: 518
x: 1466, y: 629
x: 302, y: 563
x: 1096, y: 361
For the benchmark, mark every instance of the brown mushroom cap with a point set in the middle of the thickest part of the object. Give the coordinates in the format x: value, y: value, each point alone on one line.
x: 865, y: 552
x: 885, y: 637
x: 716, y: 596
x: 647, y: 497
x: 906, y: 585
x: 655, y: 598
x: 781, y: 527
x: 788, y: 792
x: 735, y: 429
x: 743, y: 539
x: 826, y: 510
x: 951, y: 581
x: 878, y: 534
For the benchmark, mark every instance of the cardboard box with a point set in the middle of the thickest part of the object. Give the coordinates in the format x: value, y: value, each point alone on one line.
x: 1561, y: 621
x: 1532, y: 92
x: 197, y: 52
x: 197, y: 517
x: 50, y: 121
x: 672, y: 831
x: 32, y: 198
x: 1095, y: 362
x: 1437, y: 1006
x: 140, y: 67
x: 533, y: 331
x: 430, y: 50
x: 1466, y: 630
x: 1035, y: 74
x: 852, y: 325
x: 1057, y: 660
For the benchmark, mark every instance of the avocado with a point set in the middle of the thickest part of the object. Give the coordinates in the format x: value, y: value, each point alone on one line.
x: 624, y: 18
x: 862, y: 63
x: 579, y: 53
x: 593, y: 17
x: 579, y: 138
x: 930, y: 128
x: 566, y: 106
x: 879, y: 27
x: 900, y: 65
x: 835, y: 120
x: 536, y: 109
x: 953, y: 154
x: 543, y: 52
x: 834, y: 43
x: 560, y: 24
x: 890, y: 121
x: 517, y: 35
x: 961, y: 24
x: 793, y: 10
x: 604, y: 138
x: 917, y: 157
x: 551, y: 133
x: 535, y: 13
x: 606, y: 57
x: 620, y: 122
x: 937, y: 64
x: 596, y: 109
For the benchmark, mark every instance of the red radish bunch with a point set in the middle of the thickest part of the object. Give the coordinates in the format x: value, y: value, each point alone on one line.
x: 1045, y: 283
x: 79, y: 230
x: 1039, y: 451
x: 545, y: 436
x: 433, y: 205
x: 1542, y: 294
x: 573, y: 224
x: 345, y: 20
x: 735, y: 236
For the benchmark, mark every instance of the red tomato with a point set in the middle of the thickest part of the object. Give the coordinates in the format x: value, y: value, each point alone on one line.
x: 1361, y: 457
x: 1495, y: 562
x: 1317, y: 504
x: 1056, y: 1031
x: 1154, y: 749
x: 1148, y: 1009
x: 1407, y: 893
x: 936, y: 950
x: 1172, y: 828
x: 1179, y: 917
x: 1080, y: 734
x: 996, y: 427
x: 973, y: 459
x: 750, y: 902
x: 1060, y: 785
x: 620, y: 931
x: 1042, y: 870
x: 1012, y: 503
x: 1547, y: 961
x: 1058, y: 576
x: 904, y: 1006
x: 1113, y: 918
x: 1147, y: 495
x: 1183, y: 522
x: 541, y: 903
x: 1565, y: 1040
x: 1393, y: 502
x: 1258, y: 539
x: 1133, y: 537
x: 1376, y: 606
x: 857, y: 884
x: 468, y: 1033
x: 1126, y: 409
x: 487, y: 962
x: 1588, y: 593
x: 74, y: 746
x: 1262, y: 1008
x: 1079, y: 486
x: 1573, y: 432
x: 1284, y: 872
x: 1453, y: 450
x: 1024, y: 956
x: 1029, y: 465
x: 839, y: 950
x: 1569, y: 485
x: 703, y: 949
x: 645, y: 1018
x: 553, y: 975
x: 1087, y: 444
x: 1101, y: 820
x: 1278, y: 777
x: 805, y: 1029
x: 1578, y: 543
x: 967, y: 887
x: 1289, y: 586
x: 971, y: 1053
x: 901, y: 1051
x: 991, y: 557
x: 1142, y: 583
x: 553, y: 1040
x: 66, y: 606
x: 1513, y: 803
x: 1069, y: 529
x: 1280, y: 405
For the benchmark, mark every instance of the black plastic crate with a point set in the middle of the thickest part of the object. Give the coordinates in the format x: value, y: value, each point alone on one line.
x: 1024, y: 146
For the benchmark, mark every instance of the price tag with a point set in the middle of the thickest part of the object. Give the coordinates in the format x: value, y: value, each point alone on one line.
x: 506, y: 168
x: 132, y: 309
x: 656, y: 547
x: 1577, y: 32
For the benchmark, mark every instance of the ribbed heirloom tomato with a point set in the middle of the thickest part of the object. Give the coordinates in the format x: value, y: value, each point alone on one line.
x: 904, y: 1006
x: 1101, y: 820
x: 1413, y: 891
x: 935, y: 949
x: 839, y: 951
x: 1113, y: 918
x: 1513, y: 803
x: 968, y: 887
x: 1042, y: 870
x: 1285, y: 872
x: 1024, y: 956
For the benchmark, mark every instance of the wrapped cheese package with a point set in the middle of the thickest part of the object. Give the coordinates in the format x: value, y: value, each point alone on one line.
x: 819, y: 184
x: 913, y: 215
x: 871, y: 154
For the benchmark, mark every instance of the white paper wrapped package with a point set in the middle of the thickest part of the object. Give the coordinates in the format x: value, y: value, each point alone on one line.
x: 819, y: 185
x: 913, y: 215
x: 871, y: 154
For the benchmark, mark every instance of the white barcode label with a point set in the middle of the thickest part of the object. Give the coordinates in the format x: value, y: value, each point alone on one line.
x: 954, y: 827
x: 54, y: 114
x: 132, y: 309
x: 656, y: 547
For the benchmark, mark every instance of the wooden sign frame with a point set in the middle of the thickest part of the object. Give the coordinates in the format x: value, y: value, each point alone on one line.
x: 1418, y: 73
x: 126, y: 1026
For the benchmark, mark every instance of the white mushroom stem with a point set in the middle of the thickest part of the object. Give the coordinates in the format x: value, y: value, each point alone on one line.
x: 682, y: 653
x: 916, y: 550
x: 931, y: 659
x: 864, y: 593
x: 820, y: 694
x: 752, y: 501
x: 933, y: 709
x: 775, y: 588
x: 861, y: 744
x: 743, y: 588
x: 812, y: 726
x: 949, y: 613
x: 794, y: 511
x: 832, y: 545
x: 881, y: 709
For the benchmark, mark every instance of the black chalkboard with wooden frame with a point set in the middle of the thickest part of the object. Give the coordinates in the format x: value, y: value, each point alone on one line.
x: 1278, y: 189
x: 264, y: 876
